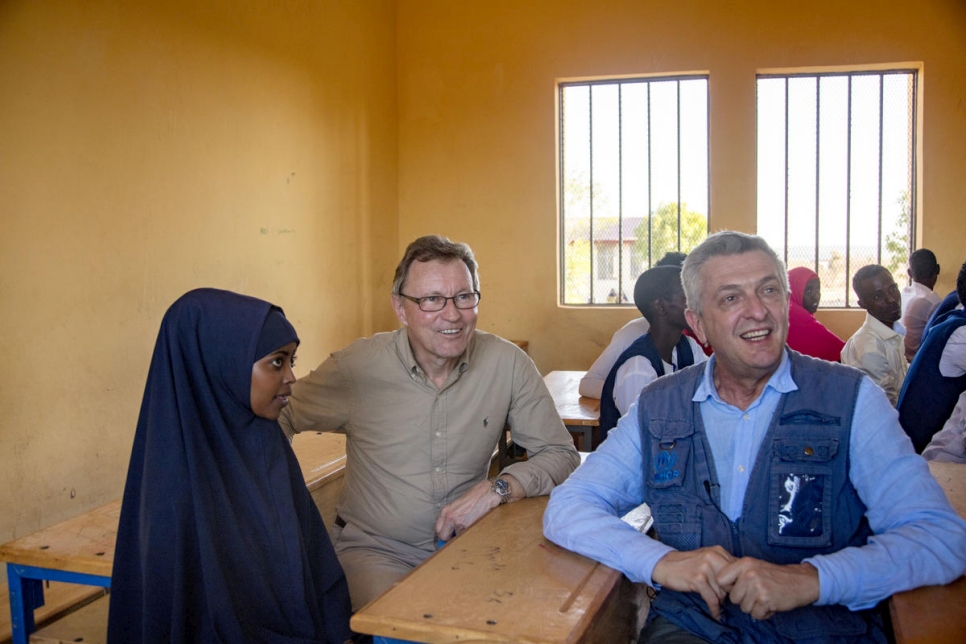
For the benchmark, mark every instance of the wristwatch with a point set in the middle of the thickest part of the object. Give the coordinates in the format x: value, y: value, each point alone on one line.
x: 502, y: 488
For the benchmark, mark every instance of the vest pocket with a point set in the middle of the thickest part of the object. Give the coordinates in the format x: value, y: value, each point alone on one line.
x: 800, y: 492
x: 677, y: 525
x: 670, y: 449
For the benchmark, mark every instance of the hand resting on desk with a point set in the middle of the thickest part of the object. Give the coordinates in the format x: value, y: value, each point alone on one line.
x: 472, y: 506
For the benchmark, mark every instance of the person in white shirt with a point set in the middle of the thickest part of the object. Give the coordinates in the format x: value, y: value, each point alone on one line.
x: 877, y: 348
x: 660, y: 298
x: 593, y: 381
x: 918, y: 299
x: 949, y: 443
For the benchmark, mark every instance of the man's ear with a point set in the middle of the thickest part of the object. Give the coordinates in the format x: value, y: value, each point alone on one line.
x: 399, y: 306
x: 694, y: 322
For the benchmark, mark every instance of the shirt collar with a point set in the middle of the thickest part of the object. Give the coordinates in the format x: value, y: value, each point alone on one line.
x: 881, y: 330
x: 405, y: 352
x: 781, y: 381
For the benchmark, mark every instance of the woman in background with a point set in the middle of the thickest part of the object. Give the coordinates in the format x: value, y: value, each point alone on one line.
x: 805, y: 333
x: 219, y: 540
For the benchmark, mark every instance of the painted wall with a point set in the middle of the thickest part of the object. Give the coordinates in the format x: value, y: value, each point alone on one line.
x: 477, y: 130
x: 153, y: 147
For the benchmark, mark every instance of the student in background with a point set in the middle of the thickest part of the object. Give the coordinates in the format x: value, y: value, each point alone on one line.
x: 592, y: 383
x: 659, y: 297
x: 787, y: 501
x: 948, y: 445
x: 947, y: 304
x: 918, y: 299
x: 876, y: 348
x: 937, y: 375
x: 219, y: 540
x: 805, y: 333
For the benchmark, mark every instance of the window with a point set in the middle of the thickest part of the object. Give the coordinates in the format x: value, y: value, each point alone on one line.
x: 633, y: 181
x: 836, y: 172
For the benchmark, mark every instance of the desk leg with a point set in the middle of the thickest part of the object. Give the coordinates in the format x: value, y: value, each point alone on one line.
x: 584, y: 436
x: 25, y: 584
x: 25, y: 595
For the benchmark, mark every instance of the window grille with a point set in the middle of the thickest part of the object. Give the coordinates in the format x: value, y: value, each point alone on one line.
x: 836, y: 172
x: 633, y: 181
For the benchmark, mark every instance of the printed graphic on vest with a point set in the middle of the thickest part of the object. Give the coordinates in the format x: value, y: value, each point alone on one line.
x: 800, y: 505
x: 664, y: 464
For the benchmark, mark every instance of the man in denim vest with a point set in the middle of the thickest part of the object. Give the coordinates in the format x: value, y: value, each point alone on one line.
x: 767, y: 474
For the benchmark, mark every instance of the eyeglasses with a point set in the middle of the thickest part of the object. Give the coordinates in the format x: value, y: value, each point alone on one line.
x: 433, y: 303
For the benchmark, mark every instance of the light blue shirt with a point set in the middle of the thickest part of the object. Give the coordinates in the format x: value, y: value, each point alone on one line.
x: 919, y: 540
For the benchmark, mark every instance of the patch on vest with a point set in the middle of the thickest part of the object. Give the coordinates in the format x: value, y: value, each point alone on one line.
x: 800, y: 505
x: 664, y: 464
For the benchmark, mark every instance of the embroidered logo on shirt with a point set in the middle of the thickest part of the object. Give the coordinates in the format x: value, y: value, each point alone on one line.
x: 664, y: 464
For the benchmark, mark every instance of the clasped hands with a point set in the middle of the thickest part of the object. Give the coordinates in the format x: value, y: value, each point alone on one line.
x: 759, y: 588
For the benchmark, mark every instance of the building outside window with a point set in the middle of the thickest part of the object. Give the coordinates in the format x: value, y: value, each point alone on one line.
x: 633, y: 172
x: 837, y: 172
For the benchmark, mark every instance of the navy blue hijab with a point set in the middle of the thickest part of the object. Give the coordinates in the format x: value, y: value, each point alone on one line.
x: 219, y: 540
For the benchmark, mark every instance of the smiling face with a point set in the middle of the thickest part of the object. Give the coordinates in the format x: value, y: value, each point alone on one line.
x: 272, y: 379
x: 439, y: 338
x: 880, y: 296
x: 812, y: 295
x: 744, y: 314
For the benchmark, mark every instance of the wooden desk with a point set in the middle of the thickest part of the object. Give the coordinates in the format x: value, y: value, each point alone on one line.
x: 501, y: 581
x: 81, y: 550
x: 322, y: 458
x: 581, y: 415
x: 934, y: 614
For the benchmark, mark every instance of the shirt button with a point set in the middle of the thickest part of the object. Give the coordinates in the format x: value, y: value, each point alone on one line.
x: 438, y: 434
x: 741, y: 468
x: 746, y: 417
x: 439, y: 469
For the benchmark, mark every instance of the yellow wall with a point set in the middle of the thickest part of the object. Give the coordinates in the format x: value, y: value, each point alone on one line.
x: 291, y: 149
x: 147, y: 148
x: 477, y: 131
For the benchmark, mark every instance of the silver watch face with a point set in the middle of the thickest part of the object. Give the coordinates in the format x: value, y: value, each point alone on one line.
x: 502, y: 487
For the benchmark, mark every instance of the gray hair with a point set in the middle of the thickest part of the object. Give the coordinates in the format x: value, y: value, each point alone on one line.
x: 726, y: 242
x: 428, y: 248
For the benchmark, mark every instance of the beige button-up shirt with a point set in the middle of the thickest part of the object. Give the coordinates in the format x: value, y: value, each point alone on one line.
x: 878, y: 351
x: 412, y: 448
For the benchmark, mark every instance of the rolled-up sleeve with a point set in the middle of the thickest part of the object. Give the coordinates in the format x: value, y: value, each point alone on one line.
x: 535, y: 425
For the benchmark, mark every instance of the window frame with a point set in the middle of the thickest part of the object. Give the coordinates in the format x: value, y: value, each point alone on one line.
x: 882, y: 70
x: 623, y: 263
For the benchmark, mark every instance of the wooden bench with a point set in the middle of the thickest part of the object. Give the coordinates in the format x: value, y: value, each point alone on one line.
x: 322, y: 458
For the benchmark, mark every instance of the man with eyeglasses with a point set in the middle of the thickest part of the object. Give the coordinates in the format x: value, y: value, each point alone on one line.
x: 422, y: 409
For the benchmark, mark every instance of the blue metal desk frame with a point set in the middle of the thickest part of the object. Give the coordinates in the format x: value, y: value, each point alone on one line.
x: 27, y: 593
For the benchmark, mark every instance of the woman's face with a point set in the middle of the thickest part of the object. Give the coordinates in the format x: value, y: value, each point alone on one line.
x: 812, y: 295
x: 272, y: 379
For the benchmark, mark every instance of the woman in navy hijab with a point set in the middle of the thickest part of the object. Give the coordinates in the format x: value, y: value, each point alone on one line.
x: 219, y: 540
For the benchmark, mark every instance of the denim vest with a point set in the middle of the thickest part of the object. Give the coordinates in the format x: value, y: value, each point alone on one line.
x: 799, y: 501
x: 644, y: 347
x: 927, y: 398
